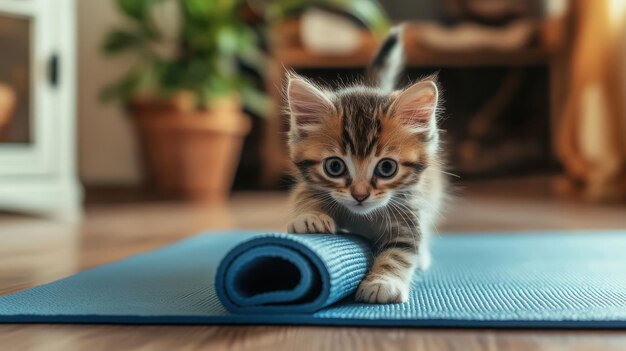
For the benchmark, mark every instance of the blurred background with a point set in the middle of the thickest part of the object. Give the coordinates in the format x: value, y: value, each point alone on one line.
x: 126, y: 125
x: 127, y: 104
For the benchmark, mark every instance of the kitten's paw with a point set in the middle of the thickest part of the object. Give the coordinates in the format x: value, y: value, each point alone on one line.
x: 312, y: 223
x: 383, y: 290
x: 424, y: 260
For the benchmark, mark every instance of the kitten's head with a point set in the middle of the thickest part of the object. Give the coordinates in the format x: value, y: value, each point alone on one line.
x: 360, y: 146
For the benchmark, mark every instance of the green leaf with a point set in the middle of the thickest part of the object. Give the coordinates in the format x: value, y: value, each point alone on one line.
x: 119, y: 40
x: 198, y: 8
x: 255, y: 59
x: 370, y: 13
x: 256, y: 101
x: 140, y: 12
x: 135, y: 9
x: 227, y: 40
x: 280, y: 9
x: 123, y: 88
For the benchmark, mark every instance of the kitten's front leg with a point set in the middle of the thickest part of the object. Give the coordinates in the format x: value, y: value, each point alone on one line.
x: 308, y: 215
x: 313, y: 222
x: 389, y: 279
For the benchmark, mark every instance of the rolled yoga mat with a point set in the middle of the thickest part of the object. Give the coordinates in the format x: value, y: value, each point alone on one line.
x: 284, y: 273
x: 531, y: 280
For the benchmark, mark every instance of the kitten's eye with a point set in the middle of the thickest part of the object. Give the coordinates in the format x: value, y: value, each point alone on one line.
x: 334, y: 167
x: 386, y: 168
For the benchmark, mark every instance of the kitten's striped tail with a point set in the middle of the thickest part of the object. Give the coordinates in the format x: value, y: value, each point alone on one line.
x: 384, y: 70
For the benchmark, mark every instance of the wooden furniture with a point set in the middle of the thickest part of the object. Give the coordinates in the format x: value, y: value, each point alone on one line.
x: 289, y: 54
x: 7, y: 109
x: 37, y: 172
x: 592, y: 128
x: 36, y: 251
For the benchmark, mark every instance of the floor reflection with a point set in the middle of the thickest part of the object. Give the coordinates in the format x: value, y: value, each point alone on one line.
x: 36, y: 251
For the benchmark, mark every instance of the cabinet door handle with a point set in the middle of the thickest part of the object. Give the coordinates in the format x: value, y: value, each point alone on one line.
x: 53, y: 70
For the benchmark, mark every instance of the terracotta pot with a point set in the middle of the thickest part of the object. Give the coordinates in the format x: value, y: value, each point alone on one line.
x: 191, y: 154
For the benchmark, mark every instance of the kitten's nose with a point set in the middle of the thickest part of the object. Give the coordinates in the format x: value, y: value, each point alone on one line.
x: 360, y: 197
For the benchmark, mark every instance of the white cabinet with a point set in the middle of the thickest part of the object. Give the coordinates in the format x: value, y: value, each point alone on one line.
x: 37, y: 108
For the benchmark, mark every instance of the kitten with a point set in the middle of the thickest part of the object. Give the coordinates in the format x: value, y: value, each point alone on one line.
x: 367, y: 159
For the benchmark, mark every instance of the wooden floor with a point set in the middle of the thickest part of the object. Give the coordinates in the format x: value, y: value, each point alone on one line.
x: 35, y: 251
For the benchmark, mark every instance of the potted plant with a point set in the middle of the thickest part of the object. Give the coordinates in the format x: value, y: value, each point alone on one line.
x: 186, y: 90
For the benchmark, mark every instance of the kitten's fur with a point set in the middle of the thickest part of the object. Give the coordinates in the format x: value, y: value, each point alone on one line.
x: 362, y: 125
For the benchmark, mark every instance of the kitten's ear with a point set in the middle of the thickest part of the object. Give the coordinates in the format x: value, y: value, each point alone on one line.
x: 416, y: 106
x: 308, y: 105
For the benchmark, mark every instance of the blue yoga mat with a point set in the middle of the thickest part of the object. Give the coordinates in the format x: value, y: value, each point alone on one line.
x: 531, y: 280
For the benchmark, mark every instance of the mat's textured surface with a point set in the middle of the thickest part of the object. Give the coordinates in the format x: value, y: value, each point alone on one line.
x: 506, y: 280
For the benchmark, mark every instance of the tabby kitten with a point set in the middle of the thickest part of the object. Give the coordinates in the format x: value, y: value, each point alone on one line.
x: 367, y: 159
